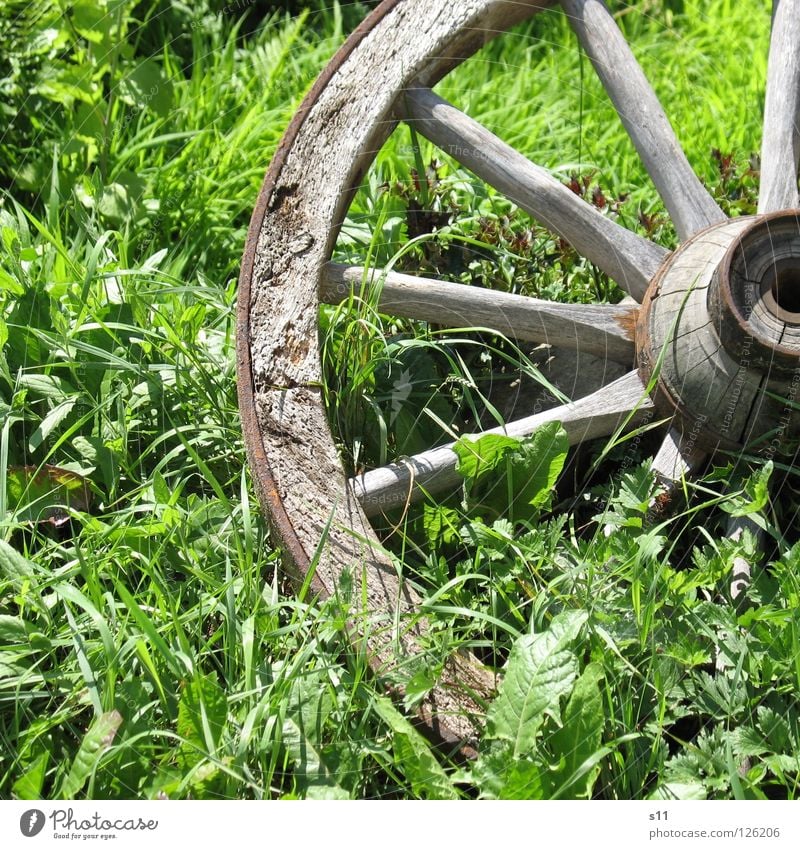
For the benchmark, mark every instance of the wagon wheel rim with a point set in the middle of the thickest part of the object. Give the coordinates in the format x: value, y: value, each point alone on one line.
x: 318, y: 518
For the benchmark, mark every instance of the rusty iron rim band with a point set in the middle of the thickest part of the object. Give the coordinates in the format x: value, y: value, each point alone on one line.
x: 257, y: 458
x: 294, y: 557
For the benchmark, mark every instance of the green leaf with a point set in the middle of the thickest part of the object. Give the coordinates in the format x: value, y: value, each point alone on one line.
x: 536, y: 464
x: 540, y: 670
x: 757, y: 488
x: 91, y: 19
x: 97, y: 454
x: 41, y: 494
x: 308, y: 706
x: 441, y: 524
x: 202, y: 714
x: 311, y: 770
x: 413, y: 755
x: 326, y: 792
x: 29, y: 784
x: 499, y: 775
x: 508, y: 469
x: 578, y: 740
x: 146, y: 87
x: 50, y: 422
x: 98, y: 738
x: 115, y: 203
x: 16, y: 567
x: 48, y: 386
x: 678, y: 790
x: 477, y: 457
x: 14, y: 630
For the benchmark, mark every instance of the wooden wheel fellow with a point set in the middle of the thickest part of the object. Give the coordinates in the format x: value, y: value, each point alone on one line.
x: 716, y: 342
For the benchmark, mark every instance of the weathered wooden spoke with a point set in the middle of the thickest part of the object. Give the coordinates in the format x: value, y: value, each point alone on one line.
x: 742, y: 570
x: 602, y: 329
x: 623, y: 402
x: 676, y: 460
x: 628, y: 259
x: 688, y: 203
x: 780, y: 147
x: 716, y: 340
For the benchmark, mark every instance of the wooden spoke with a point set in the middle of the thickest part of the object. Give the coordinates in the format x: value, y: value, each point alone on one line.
x: 627, y: 258
x: 780, y: 146
x: 689, y: 204
x: 742, y: 568
x: 597, y: 415
x: 602, y: 329
x: 676, y: 459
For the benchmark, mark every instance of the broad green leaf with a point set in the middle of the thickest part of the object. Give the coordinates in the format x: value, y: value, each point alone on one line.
x: 98, y: 738
x: 89, y: 126
x: 12, y: 285
x: 499, y: 775
x: 146, y: 87
x: 14, y: 630
x: 441, y: 523
x: 48, y: 386
x: 41, y: 494
x: 115, y: 204
x: 679, y: 790
x: 578, y: 740
x: 326, y: 792
x: 202, y: 714
x: 96, y: 453
x: 308, y: 706
x: 757, y: 488
x: 536, y: 464
x: 311, y: 769
x: 71, y: 83
x: 29, y: 784
x: 414, y: 756
x: 540, y: 670
x: 477, y: 457
x: 50, y: 422
x: 92, y: 19
x: 16, y: 567
x: 523, y: 472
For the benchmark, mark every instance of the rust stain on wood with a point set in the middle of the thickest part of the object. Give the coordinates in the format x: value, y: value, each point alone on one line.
x: 628, y: 323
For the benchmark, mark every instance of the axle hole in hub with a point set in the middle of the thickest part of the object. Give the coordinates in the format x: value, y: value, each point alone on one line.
x: 781, y: 291
x: 786, y: 290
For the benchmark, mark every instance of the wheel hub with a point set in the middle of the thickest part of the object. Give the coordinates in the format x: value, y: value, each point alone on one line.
x: 718, y: 338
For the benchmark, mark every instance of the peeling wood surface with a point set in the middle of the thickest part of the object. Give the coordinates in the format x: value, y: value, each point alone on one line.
x: 688, y: 202
x: 627, y: 258
x: 604, y: 330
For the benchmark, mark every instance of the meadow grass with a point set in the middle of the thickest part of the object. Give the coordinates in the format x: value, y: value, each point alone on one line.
x: 149, y: 643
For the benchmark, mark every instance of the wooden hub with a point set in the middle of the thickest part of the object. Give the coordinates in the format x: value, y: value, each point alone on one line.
x: 719, y: 331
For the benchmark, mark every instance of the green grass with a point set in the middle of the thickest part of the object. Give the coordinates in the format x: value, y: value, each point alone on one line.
x: 149, y: 643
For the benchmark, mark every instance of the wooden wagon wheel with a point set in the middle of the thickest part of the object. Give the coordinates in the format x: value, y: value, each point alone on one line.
x: 716, y: 340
